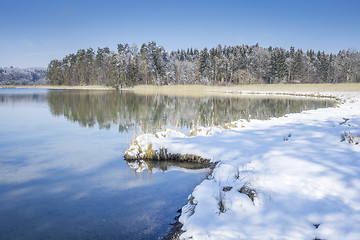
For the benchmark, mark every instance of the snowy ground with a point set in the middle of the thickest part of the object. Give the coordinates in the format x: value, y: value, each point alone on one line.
x: 295, y: 177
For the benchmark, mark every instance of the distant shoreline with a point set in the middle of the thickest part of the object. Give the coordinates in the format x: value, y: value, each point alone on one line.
x: 206, y: 89
x: 59, y: 87
x: 273, y: 90
x: 322, y: 87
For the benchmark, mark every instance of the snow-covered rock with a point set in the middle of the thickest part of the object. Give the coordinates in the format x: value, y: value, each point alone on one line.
x: 145, y: 145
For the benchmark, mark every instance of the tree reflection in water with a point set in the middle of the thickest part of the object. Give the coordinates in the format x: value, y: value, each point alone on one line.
x: 151, y: 113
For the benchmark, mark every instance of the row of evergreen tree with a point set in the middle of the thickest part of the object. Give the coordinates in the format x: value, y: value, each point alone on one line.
x: 151, y: 64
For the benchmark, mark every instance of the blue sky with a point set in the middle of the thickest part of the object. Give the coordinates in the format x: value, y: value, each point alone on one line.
x: 35, y: 32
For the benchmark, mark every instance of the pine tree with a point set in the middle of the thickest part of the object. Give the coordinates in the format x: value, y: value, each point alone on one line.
x: 298, y: 68
x: 145, y: 64
x: 204, y: 62
x: 281, y: 68
x: 322, y: 67
x: 54, y: 72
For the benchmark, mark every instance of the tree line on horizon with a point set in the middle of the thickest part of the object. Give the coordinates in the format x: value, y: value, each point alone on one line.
x: 22, y: 76
x: 222, y: 65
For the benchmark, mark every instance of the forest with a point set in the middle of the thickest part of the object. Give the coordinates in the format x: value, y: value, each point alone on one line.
x: 222, y: 65
x: 22, y: 76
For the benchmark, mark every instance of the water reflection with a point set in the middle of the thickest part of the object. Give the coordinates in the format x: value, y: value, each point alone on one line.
x: 62, y: 181
x: 23, y: 96
x: 151, y: 113
x: 138, y: 166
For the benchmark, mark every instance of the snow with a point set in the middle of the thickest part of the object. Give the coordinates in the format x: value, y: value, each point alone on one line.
x: 303, y: 171
x: 154, y: 141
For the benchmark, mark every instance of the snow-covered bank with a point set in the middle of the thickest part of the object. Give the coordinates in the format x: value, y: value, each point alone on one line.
x: 295, y: 177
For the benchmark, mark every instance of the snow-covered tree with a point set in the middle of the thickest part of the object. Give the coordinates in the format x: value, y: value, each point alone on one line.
x: 244, y: 64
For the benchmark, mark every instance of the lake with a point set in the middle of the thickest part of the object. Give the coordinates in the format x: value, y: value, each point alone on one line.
x: 62, y: 171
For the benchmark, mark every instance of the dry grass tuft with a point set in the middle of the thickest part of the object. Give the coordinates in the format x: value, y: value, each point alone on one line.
x: 248, y: 191
x: 350, y: 138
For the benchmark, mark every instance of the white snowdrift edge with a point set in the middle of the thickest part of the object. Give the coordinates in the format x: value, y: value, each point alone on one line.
x: 303, y: 168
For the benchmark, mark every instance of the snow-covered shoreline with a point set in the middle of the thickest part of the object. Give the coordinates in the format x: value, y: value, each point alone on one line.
x: 294, y: 177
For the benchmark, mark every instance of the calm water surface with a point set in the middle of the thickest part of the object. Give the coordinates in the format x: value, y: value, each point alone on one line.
x: 62, y: 172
